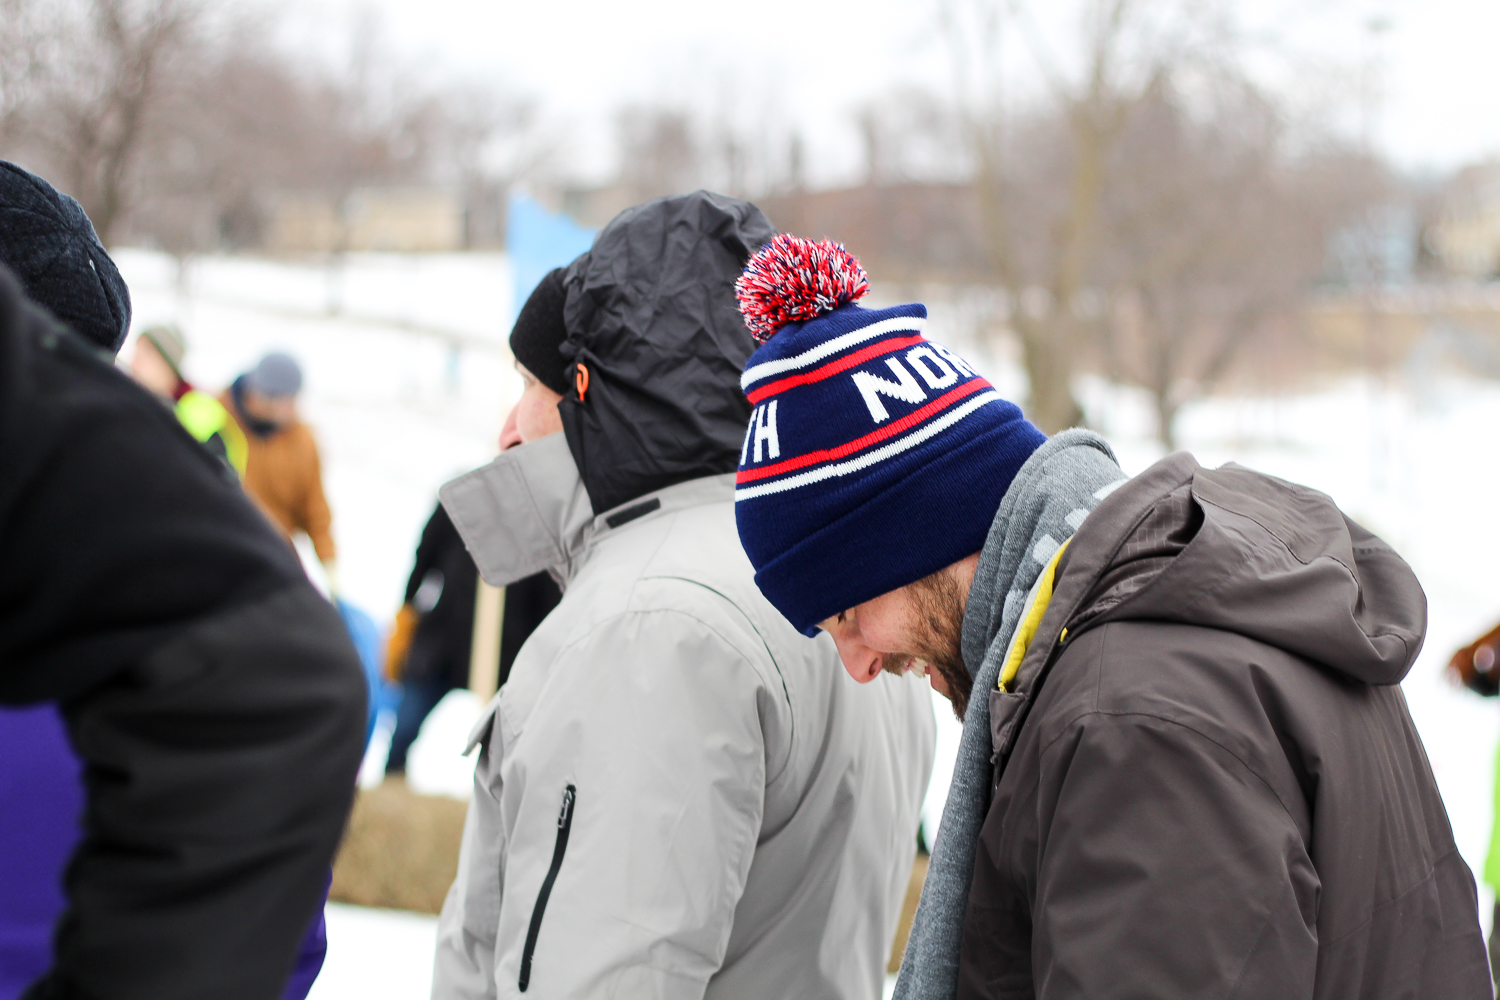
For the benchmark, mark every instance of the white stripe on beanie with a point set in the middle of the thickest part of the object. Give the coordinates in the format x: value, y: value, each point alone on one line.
x: 868, y: 459
x: 766, y: 369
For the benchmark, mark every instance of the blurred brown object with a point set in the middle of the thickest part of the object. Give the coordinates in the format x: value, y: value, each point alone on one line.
x: 908, y: 912
x: 399, y: 644
x: 284, y: 476
x: 400, y: 851
x: 1477, y: 665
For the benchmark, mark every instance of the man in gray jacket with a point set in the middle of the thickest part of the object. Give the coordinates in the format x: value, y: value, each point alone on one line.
x: 1187, y: 769
x: 677, y: 796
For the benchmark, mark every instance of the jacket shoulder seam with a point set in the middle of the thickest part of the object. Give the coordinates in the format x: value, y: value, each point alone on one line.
x: 1076, y: 719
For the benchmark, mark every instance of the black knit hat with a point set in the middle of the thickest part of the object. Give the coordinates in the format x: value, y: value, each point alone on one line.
x: 539, y: 332
x: 48, y: 241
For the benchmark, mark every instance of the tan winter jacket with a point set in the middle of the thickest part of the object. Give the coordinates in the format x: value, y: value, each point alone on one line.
x: 284, y: 475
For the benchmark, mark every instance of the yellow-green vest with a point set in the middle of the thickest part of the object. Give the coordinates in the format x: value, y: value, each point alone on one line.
x: 207, y: 420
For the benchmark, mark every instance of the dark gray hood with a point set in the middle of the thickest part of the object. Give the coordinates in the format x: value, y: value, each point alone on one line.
x: 651, y: 316
x: 1279, y: 563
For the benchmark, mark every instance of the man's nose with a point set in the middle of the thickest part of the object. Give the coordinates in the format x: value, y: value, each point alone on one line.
x: 510, y: 434
x: 863, y: 664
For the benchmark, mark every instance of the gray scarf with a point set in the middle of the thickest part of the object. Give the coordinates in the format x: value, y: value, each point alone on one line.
x: 1054, y: 491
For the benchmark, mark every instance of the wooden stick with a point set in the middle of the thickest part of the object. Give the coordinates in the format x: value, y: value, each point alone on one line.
x: 484, y: 656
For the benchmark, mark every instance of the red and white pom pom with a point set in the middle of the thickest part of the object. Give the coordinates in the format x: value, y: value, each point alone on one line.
x: 792, y: 280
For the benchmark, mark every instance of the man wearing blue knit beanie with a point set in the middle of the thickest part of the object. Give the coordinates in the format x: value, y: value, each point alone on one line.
x: 1187, y: 769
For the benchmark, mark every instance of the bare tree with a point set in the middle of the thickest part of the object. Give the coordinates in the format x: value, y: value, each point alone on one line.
x: 911, y: 135
x: 660, y: 152
x: 21, y: 42
x: 727, y: 137
x: 1214, y: 230
x: 110, y: 65
x: 1041, y: 177
x: 174, y: 121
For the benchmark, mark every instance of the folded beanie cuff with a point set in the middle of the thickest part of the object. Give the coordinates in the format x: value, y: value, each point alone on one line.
x: 939, y: 513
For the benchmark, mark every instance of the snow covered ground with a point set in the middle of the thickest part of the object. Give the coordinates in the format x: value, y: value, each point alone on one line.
x: 407, y: 385
x: 376, y: 954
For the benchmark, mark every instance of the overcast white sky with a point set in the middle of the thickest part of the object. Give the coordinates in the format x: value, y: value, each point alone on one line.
x: 1437, y: 64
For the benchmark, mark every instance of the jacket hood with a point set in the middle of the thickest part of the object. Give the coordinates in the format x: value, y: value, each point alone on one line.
x: 1276, y: 562
x: 656, y: 345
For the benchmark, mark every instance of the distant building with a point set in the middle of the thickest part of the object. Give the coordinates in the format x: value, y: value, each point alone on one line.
x: 593, y: 207
x: 906, y: 232
x: 1466, y: 235
x: 404, y: 220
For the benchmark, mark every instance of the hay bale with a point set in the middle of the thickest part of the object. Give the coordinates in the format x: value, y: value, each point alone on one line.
x: 400, y: 851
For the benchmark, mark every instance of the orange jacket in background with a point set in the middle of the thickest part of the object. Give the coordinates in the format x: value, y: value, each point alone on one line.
x: 285, y: 476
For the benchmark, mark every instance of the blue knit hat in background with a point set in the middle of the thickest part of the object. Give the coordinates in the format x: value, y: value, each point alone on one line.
x: 874, y: 456
x: 278, y: 376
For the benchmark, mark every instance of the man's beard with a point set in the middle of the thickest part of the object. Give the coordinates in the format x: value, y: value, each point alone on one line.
x: 940, y: 624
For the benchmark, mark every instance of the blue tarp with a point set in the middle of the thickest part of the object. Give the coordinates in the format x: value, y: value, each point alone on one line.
x: 366, y: 639
x: 537, y: 241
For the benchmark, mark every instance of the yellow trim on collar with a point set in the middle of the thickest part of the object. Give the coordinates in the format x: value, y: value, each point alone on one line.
x: 1026, y: 630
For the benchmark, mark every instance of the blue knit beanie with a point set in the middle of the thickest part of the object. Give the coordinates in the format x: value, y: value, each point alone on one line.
x: 874, y: 457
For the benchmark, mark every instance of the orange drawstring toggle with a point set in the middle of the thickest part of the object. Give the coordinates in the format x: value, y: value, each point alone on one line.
x: 581, y: 380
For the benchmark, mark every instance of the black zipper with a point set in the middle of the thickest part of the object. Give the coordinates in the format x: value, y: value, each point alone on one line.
x: 564, y: 824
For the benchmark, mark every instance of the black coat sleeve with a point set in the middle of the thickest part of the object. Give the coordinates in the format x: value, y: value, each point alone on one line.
x: 430, y: 550
x: 215, y: 699
x: 219, y: 773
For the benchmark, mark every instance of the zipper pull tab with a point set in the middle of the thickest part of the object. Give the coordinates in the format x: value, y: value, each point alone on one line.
x: 564, y: 817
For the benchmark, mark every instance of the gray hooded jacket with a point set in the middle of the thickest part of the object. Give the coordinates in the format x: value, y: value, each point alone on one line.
x: 677, y: 795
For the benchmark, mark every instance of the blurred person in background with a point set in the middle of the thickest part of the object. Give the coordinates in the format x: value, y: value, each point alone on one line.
x: 156, y: 363
x: 430, y: 647
x: 1477, y: 667
x: 172, y: 684
x: 1187, y: 768
x: 283, y: 472
x: 676, y: 795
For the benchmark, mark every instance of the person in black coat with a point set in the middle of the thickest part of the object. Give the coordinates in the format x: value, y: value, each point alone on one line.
x: 212, y: 695
x: 430, y: 648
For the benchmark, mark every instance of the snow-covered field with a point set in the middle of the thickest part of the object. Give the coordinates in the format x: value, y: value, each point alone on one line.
x: 407, y: 384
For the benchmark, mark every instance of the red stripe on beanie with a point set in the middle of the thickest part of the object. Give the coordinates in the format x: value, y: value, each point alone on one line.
x: 861, y: 443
